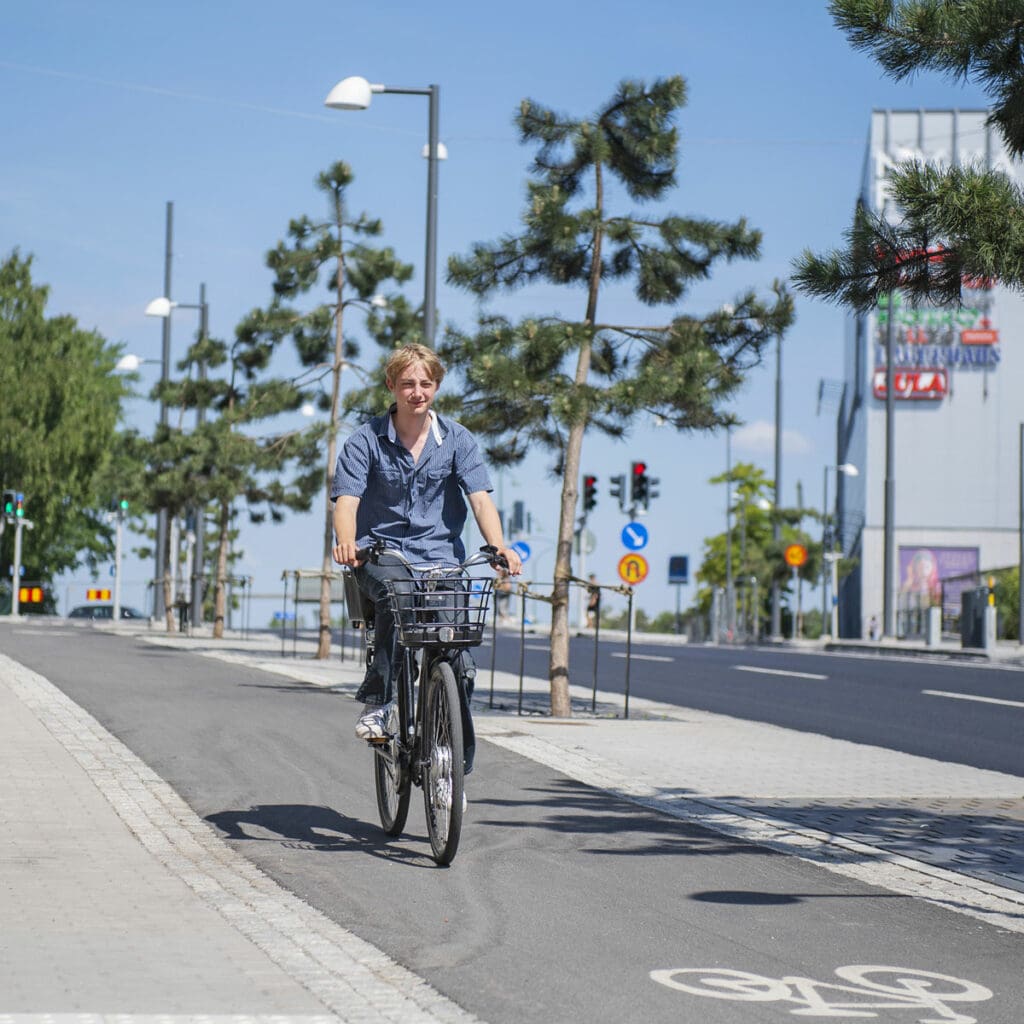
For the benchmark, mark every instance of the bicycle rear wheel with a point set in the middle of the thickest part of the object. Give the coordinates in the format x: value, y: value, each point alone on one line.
x: 443, y: 763
x: 394, y: 786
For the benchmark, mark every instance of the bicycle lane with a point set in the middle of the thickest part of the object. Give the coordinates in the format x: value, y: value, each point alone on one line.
x: 565, y: 899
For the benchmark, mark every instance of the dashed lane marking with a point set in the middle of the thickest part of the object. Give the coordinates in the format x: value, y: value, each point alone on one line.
x: 778, y: 672
x: 642, y: 657
x: 971, y: 696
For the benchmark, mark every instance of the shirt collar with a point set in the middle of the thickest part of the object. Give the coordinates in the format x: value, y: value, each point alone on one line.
x: 435, y: 427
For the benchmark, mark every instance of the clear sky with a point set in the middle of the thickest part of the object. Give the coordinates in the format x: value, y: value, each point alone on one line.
x: 113, y: 108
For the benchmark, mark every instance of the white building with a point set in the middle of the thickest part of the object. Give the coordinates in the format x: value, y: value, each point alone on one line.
x: 959, y: 400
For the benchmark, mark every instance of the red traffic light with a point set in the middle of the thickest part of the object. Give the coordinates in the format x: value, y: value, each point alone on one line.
x: 589, y: 481
x: 639, y: 468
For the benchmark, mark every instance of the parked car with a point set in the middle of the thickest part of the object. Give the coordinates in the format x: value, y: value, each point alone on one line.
x: 103, y: 611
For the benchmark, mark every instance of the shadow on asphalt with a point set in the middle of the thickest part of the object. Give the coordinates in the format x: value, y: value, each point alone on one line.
x: 317, y: 829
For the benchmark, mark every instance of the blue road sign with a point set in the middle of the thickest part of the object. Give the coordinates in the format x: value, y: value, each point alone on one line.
x: 679, y: 569
x: 634, y: 536
x: 522, y: 549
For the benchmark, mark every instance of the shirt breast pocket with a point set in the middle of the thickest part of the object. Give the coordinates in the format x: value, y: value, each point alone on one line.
x: 391, y: 485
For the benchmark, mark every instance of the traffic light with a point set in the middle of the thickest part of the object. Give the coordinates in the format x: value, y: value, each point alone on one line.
x: 9, y: 500
x: 589, y: 493
x: 19, y: 506
x: 639, y: 486
x: 617, y: 489
x: 123, y: 504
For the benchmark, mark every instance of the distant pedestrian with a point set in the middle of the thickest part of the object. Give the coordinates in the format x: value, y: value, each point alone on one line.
x: 873, y: 631
x: 593, y: 602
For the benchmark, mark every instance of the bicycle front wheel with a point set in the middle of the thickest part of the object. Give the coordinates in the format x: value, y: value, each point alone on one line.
x: 394, y: 786
x: 443, y: 755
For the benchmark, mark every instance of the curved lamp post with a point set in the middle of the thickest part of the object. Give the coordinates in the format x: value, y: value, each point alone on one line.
x: 355, y: 93
x: 827, y: 540
x: 162, y: 307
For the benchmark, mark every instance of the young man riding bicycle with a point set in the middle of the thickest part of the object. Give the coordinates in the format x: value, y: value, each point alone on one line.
x: 400, y: 478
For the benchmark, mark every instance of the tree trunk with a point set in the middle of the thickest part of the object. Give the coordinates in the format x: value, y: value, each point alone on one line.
x: 323, y: 649
x: 558, y: 668
x: 172, y: 626
x: 561, y: 704
x: 219, y: 587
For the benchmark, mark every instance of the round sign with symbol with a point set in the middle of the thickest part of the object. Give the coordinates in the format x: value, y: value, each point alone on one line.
x: 634, y: 536
x: 795, y: 555
x: 633, y: 568
x: 522, y: 549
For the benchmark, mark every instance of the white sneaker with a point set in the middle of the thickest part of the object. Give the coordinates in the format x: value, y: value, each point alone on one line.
x: 372, y: 725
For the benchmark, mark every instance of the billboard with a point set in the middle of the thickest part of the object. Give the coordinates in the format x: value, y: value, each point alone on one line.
x: 936, y: 576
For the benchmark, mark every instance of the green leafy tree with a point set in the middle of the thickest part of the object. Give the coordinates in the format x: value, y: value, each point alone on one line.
x: 60, y: 441
x: 955, y: 223
x: 545, y: 381
x: 750, y: 547
x: 330, y: 251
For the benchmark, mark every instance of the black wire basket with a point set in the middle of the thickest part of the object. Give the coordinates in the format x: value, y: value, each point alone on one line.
x: 448, y: 610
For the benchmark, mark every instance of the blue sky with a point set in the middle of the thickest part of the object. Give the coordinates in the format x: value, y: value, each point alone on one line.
x: 113, y: 108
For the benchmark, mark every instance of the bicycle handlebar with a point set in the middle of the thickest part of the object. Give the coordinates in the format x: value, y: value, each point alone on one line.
x: 487, y: 554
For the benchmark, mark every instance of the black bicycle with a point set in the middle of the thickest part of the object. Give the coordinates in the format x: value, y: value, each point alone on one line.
x: 439, y: 611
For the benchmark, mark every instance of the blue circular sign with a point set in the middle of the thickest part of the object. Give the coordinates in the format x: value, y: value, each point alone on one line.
x: 522, y: 549
x: 634, y: 536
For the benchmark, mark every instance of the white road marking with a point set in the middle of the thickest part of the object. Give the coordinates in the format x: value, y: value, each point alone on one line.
x: 778, y: 672
x: 971, y: 696
x: 642, y: 657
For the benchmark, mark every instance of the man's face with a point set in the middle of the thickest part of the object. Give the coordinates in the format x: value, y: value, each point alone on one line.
x: 414, y: 389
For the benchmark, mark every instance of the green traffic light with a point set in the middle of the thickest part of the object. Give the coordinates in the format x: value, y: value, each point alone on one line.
x: 123, y: 504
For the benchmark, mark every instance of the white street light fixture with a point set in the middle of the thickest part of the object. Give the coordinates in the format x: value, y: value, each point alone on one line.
x: 355, y: 93
x: 160, y: 307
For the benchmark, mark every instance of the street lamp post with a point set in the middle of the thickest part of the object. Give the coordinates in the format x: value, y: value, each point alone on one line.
x: 730, y: 602
x: 355, y: 93
x: 776, y: 627
x: 162, y: 307
x: 827, y: 542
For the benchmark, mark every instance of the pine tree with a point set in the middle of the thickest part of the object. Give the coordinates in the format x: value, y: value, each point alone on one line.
x: 955, y: 223
x: 331, y: 247
x: 237, y: 453
x: 547, y: 380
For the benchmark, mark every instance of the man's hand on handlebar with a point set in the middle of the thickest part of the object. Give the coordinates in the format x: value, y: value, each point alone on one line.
x: 346, y: 553
x: 508, y: 561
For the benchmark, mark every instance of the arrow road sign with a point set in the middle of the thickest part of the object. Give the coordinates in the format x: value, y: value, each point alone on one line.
x: 634, y: 536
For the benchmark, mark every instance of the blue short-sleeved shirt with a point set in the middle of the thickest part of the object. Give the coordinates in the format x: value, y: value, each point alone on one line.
x: 416, y: 507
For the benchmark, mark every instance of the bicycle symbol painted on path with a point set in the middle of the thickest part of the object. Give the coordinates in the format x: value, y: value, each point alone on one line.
x: 867, y: 988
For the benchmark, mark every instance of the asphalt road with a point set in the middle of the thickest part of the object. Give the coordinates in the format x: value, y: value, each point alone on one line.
x: 898, y: 704
x: 562, y: 900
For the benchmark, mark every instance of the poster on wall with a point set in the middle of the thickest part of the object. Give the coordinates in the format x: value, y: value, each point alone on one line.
x: 936, y: 576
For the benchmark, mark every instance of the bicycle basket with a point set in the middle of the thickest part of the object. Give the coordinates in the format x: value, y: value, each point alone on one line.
x: 448, y: 610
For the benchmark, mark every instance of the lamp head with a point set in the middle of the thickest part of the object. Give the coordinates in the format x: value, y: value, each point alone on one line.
x: 352, y: 93
x: 160, y: 307
x: 128, y: 363
x: 849, y: 469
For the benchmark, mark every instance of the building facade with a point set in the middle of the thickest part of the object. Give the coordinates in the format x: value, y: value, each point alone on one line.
x: 959, y: 400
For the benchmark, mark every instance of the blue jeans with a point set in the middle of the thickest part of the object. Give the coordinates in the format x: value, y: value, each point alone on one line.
x: 379, y: 685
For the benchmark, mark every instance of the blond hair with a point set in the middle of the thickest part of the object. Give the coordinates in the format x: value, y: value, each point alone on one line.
x: 402, y: 358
